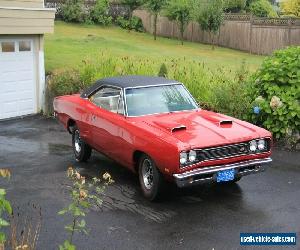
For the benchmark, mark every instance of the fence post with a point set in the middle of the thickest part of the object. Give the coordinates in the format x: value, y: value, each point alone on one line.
x: 192, y: 31
x: 250, y: 35
x: 172, y: 29
x: 290, y: 31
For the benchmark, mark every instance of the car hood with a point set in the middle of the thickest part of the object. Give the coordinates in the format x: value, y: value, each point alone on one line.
x: 198, y: 129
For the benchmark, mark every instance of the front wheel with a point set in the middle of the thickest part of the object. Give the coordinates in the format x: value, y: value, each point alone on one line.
x: 151, y: 180
x: 82, y: 151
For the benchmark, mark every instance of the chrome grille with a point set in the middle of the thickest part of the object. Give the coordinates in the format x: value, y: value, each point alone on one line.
x: 222, y: 152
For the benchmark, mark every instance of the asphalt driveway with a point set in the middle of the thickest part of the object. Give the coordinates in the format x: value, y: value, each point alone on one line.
x: 38, y: 152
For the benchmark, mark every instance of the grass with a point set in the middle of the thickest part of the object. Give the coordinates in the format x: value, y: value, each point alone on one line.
x: 72, y: 43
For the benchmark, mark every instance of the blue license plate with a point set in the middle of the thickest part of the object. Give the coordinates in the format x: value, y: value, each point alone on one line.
x: 225, y: 175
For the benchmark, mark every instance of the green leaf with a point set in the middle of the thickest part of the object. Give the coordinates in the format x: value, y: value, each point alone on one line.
x: 2, y: 238
x: 62, y: 212
x: 67, y: 246
x: 7, y: 206
x: 3, y: 223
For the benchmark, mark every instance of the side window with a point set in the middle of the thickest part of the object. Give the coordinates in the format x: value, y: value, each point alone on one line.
x: 108, y: 99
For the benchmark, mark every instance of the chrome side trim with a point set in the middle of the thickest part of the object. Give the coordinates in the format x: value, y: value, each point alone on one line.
x: 208, y: 174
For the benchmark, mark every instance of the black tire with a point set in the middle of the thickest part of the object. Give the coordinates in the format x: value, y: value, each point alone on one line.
x: 82, y: 151
x: 152, y: 189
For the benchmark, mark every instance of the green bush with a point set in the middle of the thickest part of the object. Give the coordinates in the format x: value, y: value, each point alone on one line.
x: 234, y: 5
x: 99, y: 13
x: 135, y: 23
x: 262, y: 8
x: 276, y: 92
x: 65, y: 82
x: 74, y: 11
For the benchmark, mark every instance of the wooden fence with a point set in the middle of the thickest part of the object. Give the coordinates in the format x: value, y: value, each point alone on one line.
x: 255, y: 35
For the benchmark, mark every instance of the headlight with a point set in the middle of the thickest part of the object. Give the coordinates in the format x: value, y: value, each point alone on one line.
x: 183, y: 158
x: 192, y: 155
x: 253, y: 146
x: 261, y: 144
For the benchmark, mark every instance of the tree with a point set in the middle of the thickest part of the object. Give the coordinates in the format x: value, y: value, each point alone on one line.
x: 211, y: 18
x: 262, y: 8
x: 155, y: 7
x: 179, y: 11
x: 99, y: 13
x: 132, y: 5
x: 291, y: 7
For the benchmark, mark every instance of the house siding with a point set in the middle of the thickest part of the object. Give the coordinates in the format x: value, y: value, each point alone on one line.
x: 22, y: 3
x: 26, y: 21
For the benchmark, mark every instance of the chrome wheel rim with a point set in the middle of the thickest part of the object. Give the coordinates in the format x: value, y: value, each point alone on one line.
x: 77, y: 142
x: 147, y: 173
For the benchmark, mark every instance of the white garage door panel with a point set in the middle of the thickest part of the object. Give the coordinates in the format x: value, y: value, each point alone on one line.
x: 17, y: 82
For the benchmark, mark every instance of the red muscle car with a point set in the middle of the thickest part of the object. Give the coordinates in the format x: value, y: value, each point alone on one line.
x: 154, y: 127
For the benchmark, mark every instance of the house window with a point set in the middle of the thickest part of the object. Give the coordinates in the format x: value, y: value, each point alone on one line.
x: 8, y: 46
x: 24, y: 46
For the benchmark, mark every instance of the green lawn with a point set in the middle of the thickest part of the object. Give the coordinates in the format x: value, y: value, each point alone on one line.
x: 72, y: 43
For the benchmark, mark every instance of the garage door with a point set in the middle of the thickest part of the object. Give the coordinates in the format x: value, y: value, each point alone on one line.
x: 17, y: 78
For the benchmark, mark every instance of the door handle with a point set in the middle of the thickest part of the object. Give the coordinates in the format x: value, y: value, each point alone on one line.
x: 93, y: 118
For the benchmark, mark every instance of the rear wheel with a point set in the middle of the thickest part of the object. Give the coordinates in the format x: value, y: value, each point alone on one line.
x: 151, y: 180
x: 82, y: 151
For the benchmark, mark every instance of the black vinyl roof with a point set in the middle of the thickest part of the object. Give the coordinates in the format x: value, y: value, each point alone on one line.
x: 127, y: 82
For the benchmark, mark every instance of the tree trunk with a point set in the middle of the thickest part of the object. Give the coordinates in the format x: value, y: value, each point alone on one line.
x: 155, y: 26
x: 212, y: 41
x: 181, y: 32
x: 129, y: 18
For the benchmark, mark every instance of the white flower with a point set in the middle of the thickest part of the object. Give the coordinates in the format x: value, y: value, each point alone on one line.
x: 275, y: 102
x: 259, y: 99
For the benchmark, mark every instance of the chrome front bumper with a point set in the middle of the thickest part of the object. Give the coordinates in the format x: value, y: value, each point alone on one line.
x: 209, y: 174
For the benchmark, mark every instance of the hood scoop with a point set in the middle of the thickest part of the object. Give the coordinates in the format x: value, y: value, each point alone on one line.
x: 225, y: 123
x: 181, y: 127
x: 170, y: 126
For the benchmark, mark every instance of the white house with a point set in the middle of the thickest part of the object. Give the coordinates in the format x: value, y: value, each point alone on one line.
x: 23, y: 24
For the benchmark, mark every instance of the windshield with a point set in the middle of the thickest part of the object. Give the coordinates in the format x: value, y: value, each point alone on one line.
x: 158, y: 99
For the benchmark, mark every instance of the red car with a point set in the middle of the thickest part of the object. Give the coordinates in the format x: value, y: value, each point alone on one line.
x: 154, y: 127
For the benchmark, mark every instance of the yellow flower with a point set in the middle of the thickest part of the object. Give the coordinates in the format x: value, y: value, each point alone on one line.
x: 4, y: 172
x: 82, y: 194
x: 70, y: 171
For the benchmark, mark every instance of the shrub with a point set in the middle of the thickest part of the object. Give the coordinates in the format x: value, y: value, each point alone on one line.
x: 234, y: 5
x: 262, y: 8
x: 291, y: 7
x: 163, y: 71
x: 276, y: 93
x: 65, y: 82
x: 135, y: 23
x: 99, y: 13
x: 5, y: 207
x: 74, y: 11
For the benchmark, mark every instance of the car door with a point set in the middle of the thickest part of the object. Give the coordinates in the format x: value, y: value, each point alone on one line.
x: 108, y: 120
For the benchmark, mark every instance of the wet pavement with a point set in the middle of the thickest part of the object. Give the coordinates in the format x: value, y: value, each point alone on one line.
x: 38, y: 152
